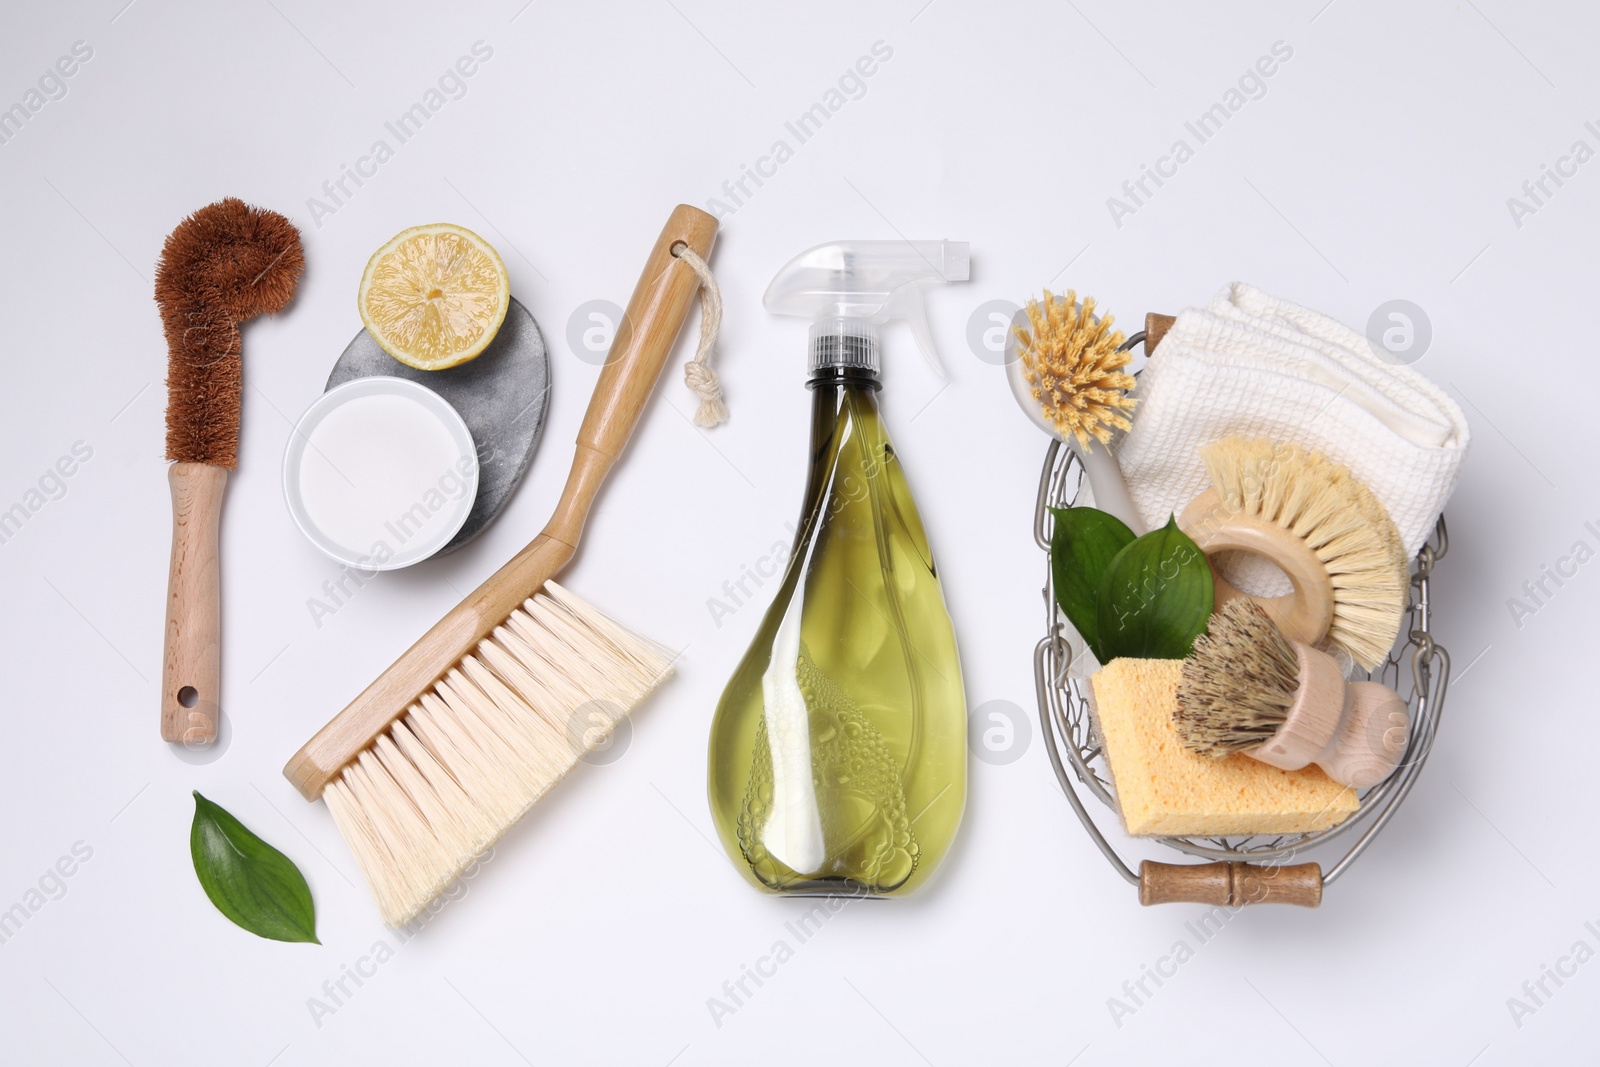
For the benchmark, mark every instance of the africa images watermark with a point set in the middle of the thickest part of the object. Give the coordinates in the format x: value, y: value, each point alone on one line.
x: 851, y: 85
x: 1139, y: 991
x: 339, y: 591
x: 450, y: 85
x: 1252, y: 85
x: 339, y: 990
x: 50, y: 86
x: 738, y: 991
x: 50, y: 486
x: 1538, y: 592
x: 851, y: 487
x: 1538, y: 191
x: 1537, y: 992
x: 737, y: 591
x: 50, y: 886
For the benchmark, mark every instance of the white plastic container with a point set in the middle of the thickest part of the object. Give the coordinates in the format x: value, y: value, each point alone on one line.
x: 380, y: 473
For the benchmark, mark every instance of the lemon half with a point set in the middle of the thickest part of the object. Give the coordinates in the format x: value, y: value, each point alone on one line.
x: 434, y: 296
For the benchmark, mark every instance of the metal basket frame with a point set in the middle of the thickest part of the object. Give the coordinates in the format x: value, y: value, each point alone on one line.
x: 1071, y: 741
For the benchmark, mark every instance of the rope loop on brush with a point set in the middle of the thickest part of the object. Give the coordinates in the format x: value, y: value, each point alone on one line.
x: 698, y: 373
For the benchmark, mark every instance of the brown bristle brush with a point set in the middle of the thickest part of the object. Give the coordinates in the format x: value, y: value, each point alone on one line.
x: 226, y: 263
x: 1249, y: 689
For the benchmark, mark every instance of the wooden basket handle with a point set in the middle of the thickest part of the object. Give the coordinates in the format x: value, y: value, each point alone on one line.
x: 1231, y: 885
x: 1156, y: 326
x: 644, y: 340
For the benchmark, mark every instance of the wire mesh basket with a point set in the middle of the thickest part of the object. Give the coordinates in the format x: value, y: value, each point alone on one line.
x: 1241, y: 869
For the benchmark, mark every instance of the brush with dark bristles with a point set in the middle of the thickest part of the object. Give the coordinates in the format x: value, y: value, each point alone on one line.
x: 226, y: 263
x: 1249, y: 689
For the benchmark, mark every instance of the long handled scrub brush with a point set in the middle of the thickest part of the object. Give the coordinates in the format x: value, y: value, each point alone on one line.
x: 226, y: 263
x: 1068, y: 375
x: 455, y: 741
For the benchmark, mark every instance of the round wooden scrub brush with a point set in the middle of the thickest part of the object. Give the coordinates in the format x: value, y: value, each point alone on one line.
x: 1248, y: 689
x: 226, y: 263
x: 1065, y: 366
x: 1323, y: 528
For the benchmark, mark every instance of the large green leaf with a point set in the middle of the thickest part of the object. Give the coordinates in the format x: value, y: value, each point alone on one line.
x: 1083, y: 542
x: 1156, y: 597
x: 249, y: 881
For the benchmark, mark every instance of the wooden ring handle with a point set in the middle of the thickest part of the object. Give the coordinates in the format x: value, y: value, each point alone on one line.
x: 1229, y: 885
x: 1304, y: 615
x: 656, y: 311
x: 191, y: 661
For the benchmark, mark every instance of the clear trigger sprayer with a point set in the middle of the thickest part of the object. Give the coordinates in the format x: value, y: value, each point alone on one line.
x: 838, y: 758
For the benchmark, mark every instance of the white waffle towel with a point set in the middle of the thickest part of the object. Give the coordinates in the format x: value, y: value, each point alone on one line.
x: 1252, y: 365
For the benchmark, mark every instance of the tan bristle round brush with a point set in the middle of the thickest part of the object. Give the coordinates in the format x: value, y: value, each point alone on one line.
x: 1322, y: 527
x: 1249, y: 689
x: 226, y: 263
x: 1068, y: 377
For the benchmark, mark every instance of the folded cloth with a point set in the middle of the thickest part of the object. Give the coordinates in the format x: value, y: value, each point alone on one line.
x: 1251, y: 365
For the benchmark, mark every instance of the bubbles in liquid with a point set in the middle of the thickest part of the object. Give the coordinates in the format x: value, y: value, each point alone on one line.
x: 866, y: 833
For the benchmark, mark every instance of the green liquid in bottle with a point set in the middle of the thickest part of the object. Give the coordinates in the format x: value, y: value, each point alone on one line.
x: 838, y: 752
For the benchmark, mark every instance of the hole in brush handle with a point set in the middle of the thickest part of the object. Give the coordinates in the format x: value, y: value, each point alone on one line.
x: 191, y: 661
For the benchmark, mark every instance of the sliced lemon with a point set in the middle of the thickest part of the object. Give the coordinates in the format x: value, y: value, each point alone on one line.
x: 434, y: 296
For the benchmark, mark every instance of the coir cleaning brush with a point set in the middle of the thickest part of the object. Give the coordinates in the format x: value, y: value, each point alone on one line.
x: 1248, y: 689
x: 1067, y: 374
x: 448, y: 748
x: 226, y: 263
x: 1322, y: 527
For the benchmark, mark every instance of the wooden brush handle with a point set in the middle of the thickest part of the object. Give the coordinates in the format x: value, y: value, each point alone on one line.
x: 191, y: 661
x: 1229, y: 885
x: 1303, y: 615
x: 655, y: 313
x: 1371, y: 737
x: 643, y: 340
x: 1355, y: 731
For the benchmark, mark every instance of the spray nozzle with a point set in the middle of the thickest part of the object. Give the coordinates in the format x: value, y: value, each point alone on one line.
x: 847, y: 289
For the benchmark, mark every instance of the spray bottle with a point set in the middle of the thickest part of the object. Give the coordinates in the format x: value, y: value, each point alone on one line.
x: 838, y: 756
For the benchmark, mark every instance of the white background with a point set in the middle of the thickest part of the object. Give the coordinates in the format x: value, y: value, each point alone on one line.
x: 1377, y: 166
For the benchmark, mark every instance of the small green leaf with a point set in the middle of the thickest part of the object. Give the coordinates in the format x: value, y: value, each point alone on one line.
x: 1156, y: 597
x: 250, y: 882
x: 1083, y: 542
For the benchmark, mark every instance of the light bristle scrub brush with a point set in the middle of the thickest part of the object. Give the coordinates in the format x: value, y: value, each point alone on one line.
x: 226, y: 263
x: 1318, y: 524
x: 1065, y: 366
x: 490, y: 708
x: 1246, y: 688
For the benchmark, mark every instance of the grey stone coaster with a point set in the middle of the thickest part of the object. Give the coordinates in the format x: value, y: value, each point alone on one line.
x: 502, y: 395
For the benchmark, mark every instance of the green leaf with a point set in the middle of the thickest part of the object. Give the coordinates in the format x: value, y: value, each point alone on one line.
x: 1083, y: 542
x: 1156, y: 597
x: 250, y: 882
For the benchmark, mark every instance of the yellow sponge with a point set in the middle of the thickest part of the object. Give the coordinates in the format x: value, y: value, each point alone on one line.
x: 1164, y: 789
